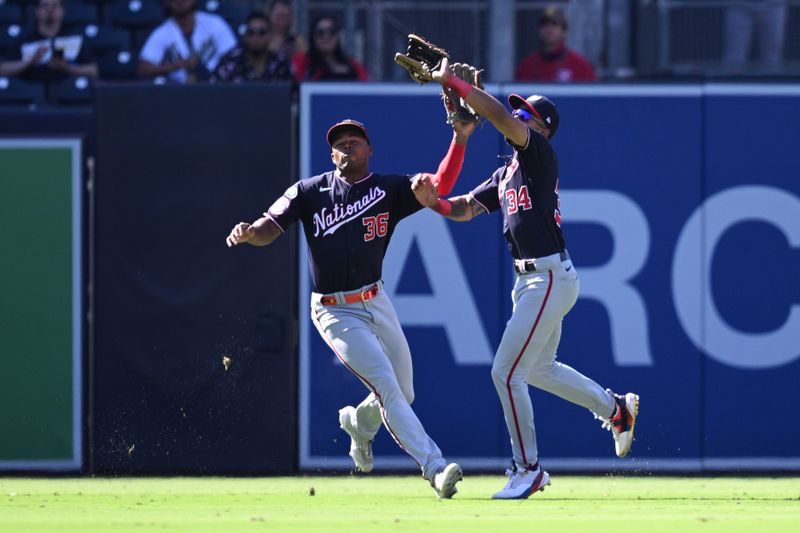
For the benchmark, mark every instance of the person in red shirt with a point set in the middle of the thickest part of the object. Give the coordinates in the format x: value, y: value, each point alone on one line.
x: 554, y: 61
x: 326, y: 59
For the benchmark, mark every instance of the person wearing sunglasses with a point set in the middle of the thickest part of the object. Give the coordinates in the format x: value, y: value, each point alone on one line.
x: 326, y: 59
x: 253, y: 61
x: 525, y: 190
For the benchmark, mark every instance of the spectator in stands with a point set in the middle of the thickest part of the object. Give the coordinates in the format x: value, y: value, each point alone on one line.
x: 325, y: 60
x: 768, y: 18
x: 553, y: 61
x: 281, y: 39
x: 48, y: 53
x: 187, y: 46
x: 253, y: 61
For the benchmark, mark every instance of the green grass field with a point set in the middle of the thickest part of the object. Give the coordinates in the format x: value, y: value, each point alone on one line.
x: 398, y: 503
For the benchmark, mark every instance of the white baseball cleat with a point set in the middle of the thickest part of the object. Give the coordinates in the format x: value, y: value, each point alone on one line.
x: 622, y: 422
x: 444, y: 483
x: 523, y: 483
x: 360, y: 447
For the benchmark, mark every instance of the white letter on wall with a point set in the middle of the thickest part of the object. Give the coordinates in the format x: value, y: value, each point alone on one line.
x: 609, y: 283
x: 451, y: 305
x: 691, y: 277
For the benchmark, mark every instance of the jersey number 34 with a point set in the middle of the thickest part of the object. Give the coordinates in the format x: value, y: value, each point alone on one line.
x: 518, y: 200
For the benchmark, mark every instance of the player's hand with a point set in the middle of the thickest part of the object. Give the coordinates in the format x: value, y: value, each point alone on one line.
x: 425, y: 190
x: 241, y: 232
x: 463, y: 130
x: 442, y: 73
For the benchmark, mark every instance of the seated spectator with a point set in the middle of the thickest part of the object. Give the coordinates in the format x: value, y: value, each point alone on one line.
x: 281, y: 39
x: 553, y: 61
x: 325, y: 59
x: 187, y: 46
x: 48, y: 53
x: 768, y: 19
x: 253, y: 61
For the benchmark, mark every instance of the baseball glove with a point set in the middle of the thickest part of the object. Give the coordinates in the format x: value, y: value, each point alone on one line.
x: 421, y: 58
x: 457, y: 108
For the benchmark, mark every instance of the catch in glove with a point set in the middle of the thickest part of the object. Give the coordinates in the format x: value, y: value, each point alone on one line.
x: 456, y: 107
x: 423, y: 58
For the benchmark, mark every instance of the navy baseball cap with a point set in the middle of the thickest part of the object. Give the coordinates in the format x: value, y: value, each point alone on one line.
x: 347, y: 124
x: 541, y: 107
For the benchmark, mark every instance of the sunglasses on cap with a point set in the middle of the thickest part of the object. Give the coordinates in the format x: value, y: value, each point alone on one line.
x: 522, y: 114
x: 526, y: 116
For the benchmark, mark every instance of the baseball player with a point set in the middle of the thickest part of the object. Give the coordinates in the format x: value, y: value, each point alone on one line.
x: 349, y: 215
x: 525, y: 190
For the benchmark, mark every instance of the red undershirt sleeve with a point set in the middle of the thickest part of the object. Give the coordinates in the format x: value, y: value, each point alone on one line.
x: 449, y: 169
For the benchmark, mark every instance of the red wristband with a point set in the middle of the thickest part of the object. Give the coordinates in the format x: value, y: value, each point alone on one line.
x: 458, y: 85
x: 443, y: 207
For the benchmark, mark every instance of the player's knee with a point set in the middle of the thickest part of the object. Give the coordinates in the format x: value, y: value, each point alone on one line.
x: 408, y: 392
x: 499, y: 375
x: 502, y: 376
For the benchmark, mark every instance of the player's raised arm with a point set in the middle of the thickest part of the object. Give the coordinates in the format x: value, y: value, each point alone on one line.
x: 260, y: 233
x: 484, y: 104
x: 459, y: 208
x: 446, y: 176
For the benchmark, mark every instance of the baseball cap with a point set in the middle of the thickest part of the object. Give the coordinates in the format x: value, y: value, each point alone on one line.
x: 540, y: 106
x: 347, y: 124
x: 553, y: 14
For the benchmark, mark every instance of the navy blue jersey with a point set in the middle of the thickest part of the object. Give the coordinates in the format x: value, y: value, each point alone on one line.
x: 527, y: 190
x: 347, y: 227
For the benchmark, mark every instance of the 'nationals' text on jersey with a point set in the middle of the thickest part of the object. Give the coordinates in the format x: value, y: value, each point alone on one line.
x: 527, y: 190
x: 347, y: 227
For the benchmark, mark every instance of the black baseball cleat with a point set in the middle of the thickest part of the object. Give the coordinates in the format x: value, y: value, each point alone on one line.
x: 622, y: 422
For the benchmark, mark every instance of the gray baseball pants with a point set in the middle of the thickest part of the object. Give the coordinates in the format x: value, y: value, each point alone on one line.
x: 527, y: 354
x: 367, y: 338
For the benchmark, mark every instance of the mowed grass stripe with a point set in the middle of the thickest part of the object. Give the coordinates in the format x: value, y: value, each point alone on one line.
x: 396, y: 503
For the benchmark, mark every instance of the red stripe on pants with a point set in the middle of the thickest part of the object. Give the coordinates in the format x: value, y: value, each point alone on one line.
x: 516, y: 362
x: 367, y: 383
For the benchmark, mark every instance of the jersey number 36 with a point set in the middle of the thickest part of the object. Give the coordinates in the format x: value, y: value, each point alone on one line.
x: 377, y: 226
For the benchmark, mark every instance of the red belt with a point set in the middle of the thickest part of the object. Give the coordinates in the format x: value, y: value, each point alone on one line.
x: 355, y: 297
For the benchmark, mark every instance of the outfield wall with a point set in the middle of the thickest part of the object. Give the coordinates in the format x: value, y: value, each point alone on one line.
x: 681, y: 210
x: 41, y: 304
x: 177, y: 167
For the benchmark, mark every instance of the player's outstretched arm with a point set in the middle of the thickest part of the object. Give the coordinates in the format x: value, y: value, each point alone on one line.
x: 260, y: 233
x: 459, y: 208
x: 484, y: 104
x: 464, y: 208
x: 450, y: 167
